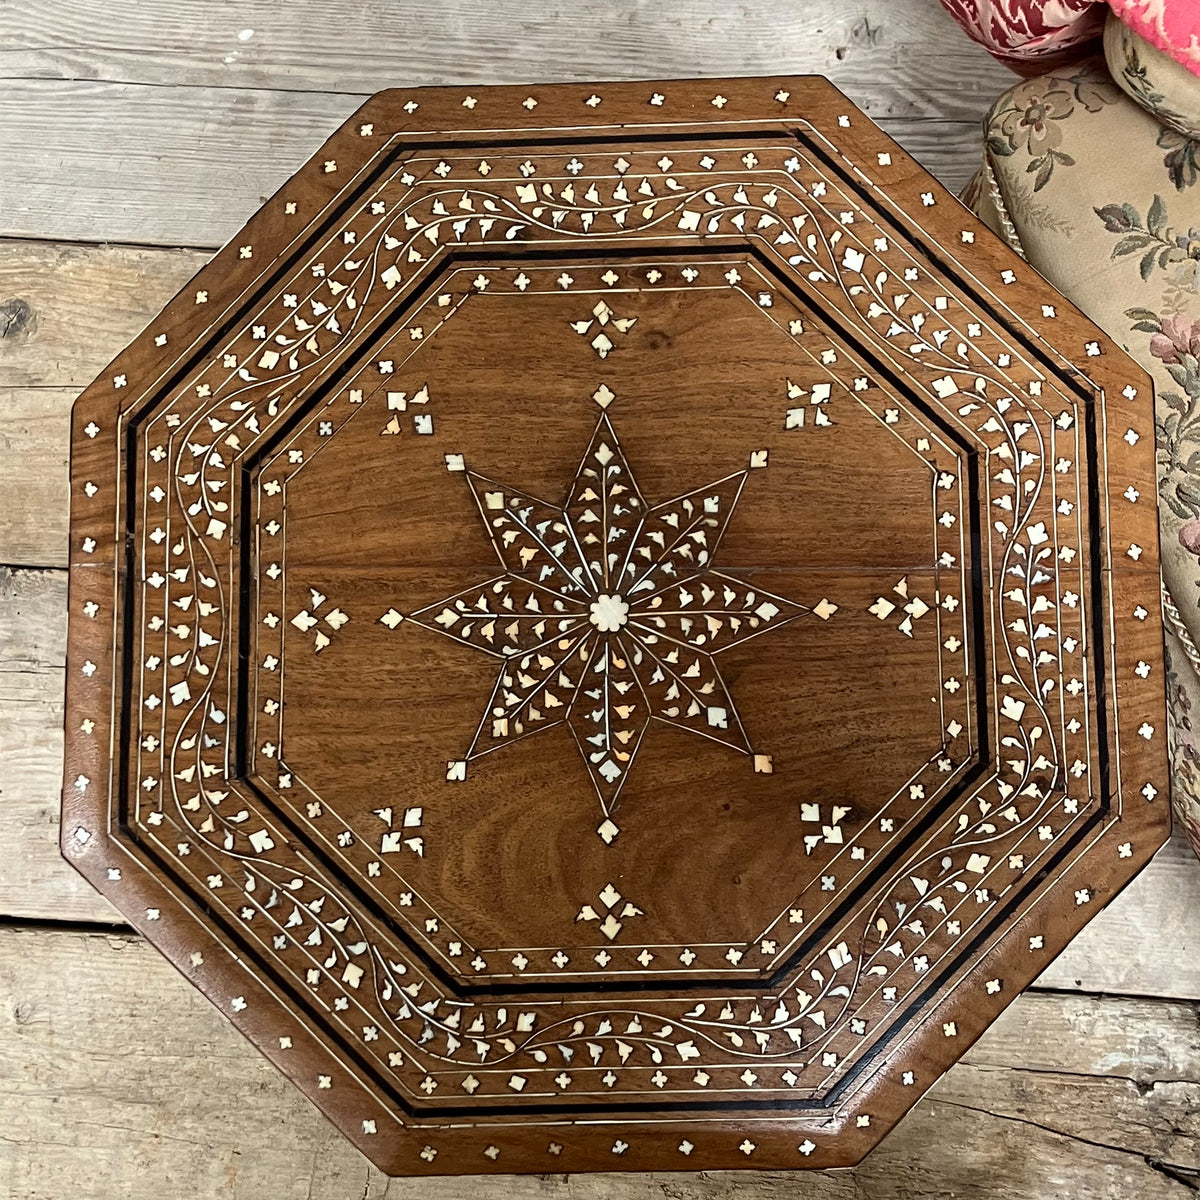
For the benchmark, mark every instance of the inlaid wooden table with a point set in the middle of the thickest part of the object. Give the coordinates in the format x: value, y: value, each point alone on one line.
x: 614, y: 627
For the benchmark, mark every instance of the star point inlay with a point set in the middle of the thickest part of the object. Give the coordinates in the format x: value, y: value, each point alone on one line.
x: 609, y: 614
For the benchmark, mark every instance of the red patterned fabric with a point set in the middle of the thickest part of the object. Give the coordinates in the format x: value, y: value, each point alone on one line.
x: 1034, y: 36
x: 1171, y: 25
x: 1031, y: 36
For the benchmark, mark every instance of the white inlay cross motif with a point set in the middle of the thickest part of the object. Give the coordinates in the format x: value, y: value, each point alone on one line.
x: 610, y: 924
x: 914, y: 608
x: 608, y: 615
x: 602, y: 343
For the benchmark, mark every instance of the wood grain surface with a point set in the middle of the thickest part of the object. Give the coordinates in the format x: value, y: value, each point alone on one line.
x: 135, y: 113
x: 109, y: 1092
x: 115, y: 1101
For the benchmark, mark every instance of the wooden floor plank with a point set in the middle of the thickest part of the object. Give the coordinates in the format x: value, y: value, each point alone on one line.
x: 897, y: 58
x: 35, y: 881
x: 70, y: 308
x: 79, y: 305
x: 172, y: 166
x: 881, y: 48
x: 188, y: 166
x: 116, y: 1080
x: 34, y: 478
x: 151, y: 122
x: 1144, y: 944
x: 182, y: 123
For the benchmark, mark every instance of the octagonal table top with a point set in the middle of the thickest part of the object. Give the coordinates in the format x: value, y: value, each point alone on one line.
x: 614, y: 627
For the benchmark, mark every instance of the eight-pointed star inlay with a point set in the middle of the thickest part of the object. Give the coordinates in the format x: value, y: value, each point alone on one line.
x: 609, y: 615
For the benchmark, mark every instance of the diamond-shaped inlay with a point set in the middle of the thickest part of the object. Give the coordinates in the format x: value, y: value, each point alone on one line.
x: 685, y: 427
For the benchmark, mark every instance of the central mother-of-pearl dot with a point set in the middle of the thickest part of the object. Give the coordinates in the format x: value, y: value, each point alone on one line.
x: 608, y: 613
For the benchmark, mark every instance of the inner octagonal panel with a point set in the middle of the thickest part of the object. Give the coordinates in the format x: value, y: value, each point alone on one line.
x: 742, y: 842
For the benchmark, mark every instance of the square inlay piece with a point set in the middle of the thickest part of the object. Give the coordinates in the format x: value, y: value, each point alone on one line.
x: 614, y: 627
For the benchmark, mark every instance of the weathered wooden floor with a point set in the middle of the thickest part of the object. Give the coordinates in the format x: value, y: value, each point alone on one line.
x: 131, y: 129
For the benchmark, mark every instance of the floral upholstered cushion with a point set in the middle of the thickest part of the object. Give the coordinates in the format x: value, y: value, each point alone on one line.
x: 1084, y: 177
